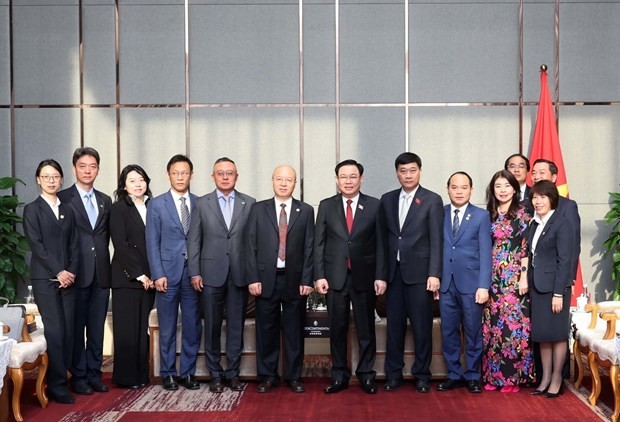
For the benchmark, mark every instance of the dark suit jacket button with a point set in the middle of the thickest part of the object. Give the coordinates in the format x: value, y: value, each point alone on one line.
x: 349, y: 243
x: 227, y: 237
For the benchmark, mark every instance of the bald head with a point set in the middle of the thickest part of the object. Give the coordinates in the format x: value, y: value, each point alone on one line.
x: 284, y: 179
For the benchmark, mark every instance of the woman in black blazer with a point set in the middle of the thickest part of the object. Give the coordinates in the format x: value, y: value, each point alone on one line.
x: 550, y: 242
x: 50, y: 230
x: 132, y: 288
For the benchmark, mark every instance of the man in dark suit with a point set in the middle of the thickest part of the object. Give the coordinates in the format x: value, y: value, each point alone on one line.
x: 167, y: 225
x: 543, y: 169
x: 92, y: 214
x: 349, y: 266
x: 465, y: 283
x: 216, y: 268
x: 280, y: 240
x: 412, y: 219
x: 519, y: 166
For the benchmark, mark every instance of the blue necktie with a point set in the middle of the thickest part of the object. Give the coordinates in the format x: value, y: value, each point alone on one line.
x: 455, y: 223
x: 91, y: 210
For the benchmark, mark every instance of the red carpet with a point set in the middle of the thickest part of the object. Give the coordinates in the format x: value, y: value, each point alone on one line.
x: 153, y: 405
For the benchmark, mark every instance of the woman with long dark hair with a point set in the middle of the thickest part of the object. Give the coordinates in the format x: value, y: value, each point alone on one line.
x: 50, y: 229
x: 132, y: 289
x: 507, y: 359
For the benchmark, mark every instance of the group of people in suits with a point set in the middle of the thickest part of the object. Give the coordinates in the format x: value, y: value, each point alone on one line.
x: 211, y: 252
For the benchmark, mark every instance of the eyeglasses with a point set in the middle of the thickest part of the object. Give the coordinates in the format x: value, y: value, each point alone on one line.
x: 228, y: 173
x: 284, y: 179
x: 516, y: 166
x: 183, y: 174
x: 353, y: 178
x: 48, y: 178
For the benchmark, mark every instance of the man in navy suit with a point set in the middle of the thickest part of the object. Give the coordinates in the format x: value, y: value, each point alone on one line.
x: 167, y: 225
x: 280, y: 238
x: 349, y: 266
x: 465, y: 283
x: 412, y: 219
x: 91, y: 209
x: 216, y: 268
x: 519, y: 166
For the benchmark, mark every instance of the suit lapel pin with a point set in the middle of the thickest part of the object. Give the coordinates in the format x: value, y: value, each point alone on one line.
x: 298, y: 210
x: 361, y: 207
x: 100, y: 205
x: 467, y: 217
x: 417, y: 201
x: 62, y: 216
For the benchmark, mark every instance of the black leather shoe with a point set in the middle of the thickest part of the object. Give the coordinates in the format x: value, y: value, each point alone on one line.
x: 189, y: 382
x: 393, y: 384
x: 538, y: 392
x: 369, y: 387
x: 61, y: 398
x: 235, y: 384
x: 129, y: 386
x: 296, y: 386
x: 549, y: 395
x: 336, y: 387
x: 423, y: 386
x: 473, y: 386
x: 99, y: 387
x: 170, y: 383
x: 450, y: 384
x: 82, y: 389
x: 216, y: 385
x: 265, y: 386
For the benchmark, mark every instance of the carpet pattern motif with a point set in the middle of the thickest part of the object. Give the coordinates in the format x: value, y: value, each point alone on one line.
x: 155, y: 399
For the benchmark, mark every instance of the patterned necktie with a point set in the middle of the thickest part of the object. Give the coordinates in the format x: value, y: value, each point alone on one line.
x: 282, y: 228
x: 227, y: 213
x: 455, y: 223
x: 184, y: 215
x: 404, y: 209
x: 91, y: 210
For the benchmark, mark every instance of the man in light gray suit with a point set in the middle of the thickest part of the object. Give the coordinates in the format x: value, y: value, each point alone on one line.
x: 216, y: 267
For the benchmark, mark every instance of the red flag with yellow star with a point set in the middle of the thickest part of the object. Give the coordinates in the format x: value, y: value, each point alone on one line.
x: 546, y: 144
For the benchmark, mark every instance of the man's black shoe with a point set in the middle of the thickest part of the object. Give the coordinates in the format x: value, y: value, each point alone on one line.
x: 369, y: 387
x: 423, y: 386
x: 296, y: 386
x: 336, y: 387
x: 216, y: 385
x: 82, y: 388
x: 393, y: 384
x: 189, y: 382
x: 450, y: 384
x: 473, y: 386
x: 170, y: 384
x: 99, y: 387
x: 265, y: 386
x: 235, y: 384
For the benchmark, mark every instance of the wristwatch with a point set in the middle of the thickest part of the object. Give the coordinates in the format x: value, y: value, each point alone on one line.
x: 524, y: 269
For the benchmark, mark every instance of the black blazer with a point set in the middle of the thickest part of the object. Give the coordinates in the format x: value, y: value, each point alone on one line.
x: 263, y: 239
x: 550, y: 263
x: 129, y: 260
x: 333, y: 245
x: 420, y: 242
x: 93, y: 243
x: 53, y: 241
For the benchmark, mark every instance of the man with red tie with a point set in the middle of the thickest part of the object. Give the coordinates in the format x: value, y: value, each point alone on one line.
x: 349, y: 266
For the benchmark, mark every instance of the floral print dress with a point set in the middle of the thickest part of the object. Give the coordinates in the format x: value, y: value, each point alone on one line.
x: 507, y: 357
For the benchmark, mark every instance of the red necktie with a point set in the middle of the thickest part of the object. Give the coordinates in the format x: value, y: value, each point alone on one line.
x: 282, y: 227
x: 349, y: 225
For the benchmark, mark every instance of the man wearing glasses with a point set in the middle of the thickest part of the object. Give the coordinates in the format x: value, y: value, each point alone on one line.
x: 519, y: 165
x: 216, y: 268
x: 167, y: 226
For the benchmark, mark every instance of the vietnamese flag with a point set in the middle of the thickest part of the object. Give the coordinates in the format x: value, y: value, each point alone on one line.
x: 546, y: 144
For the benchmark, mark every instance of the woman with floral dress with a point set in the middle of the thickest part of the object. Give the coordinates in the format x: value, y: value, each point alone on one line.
x: 507, y: 359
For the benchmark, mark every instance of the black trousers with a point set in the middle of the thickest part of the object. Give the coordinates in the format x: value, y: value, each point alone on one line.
x: 275, y: 313
x: 338, y: 308
x: 131, y: 308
